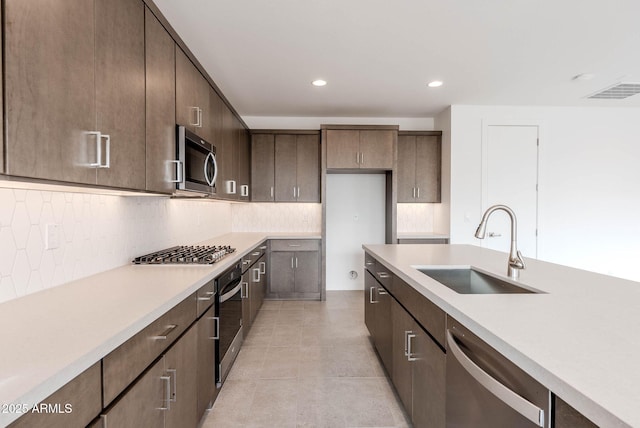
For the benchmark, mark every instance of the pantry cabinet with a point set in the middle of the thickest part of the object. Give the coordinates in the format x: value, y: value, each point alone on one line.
x: 160, y: 106
x: 419, y: 166
x: 361, y: 148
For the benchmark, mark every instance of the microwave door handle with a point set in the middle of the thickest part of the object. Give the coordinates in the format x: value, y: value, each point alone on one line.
x: 210, y: 181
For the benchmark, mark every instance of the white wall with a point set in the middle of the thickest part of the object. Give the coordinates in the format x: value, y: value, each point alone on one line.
x: 355, y: 216
x: 588, y: 174
x: 276, y: 122
x: 97, y: 233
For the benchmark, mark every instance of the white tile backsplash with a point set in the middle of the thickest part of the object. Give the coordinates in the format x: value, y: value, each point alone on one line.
x: 277, y: 217
x: 96, y: 233
x: 415, y: 218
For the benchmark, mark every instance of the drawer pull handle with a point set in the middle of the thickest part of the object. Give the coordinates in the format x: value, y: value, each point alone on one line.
x: 246, y: 262
x: 165, y: 334
x: 371, y: 289
x: 208, y: 293
x: 369, y: 263
x: 383, y: 275
x: 257, y: 253
x: 264, y: 247
x: 263, y: 267
x: 410, y: 356
x: 216, y: 320
x: 294, y: 245
x: 382, y: 291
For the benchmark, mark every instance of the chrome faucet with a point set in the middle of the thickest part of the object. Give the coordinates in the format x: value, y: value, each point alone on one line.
x: 516, y: 263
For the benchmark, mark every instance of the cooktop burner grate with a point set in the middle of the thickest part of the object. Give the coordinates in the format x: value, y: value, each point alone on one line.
x: 189, y: 254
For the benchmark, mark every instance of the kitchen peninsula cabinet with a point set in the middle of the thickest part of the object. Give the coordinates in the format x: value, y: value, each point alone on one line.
x: 285, y: 166
x: 294, y: 269
x: 76, y: 91
x: 360, y: 148
x: 254, y: 284
x: 419, y: 166
x: 160, y: 106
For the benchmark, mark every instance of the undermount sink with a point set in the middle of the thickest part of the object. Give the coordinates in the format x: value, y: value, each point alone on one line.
x: 470, y: 281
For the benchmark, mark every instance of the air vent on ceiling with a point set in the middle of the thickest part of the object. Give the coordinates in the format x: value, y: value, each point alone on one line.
x: 617, y: 92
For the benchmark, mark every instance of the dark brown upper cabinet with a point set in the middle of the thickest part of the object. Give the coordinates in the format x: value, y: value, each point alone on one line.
x: 160, y: 107
x: 285, y: 167
x: 419, y: 167
x: 192, y: 98
x: 244, y: 165
x: 75, y: 98
x: 263, y: 167
x: 360, y: 148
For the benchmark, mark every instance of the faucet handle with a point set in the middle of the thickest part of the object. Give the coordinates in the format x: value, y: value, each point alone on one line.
x: 518, y: 262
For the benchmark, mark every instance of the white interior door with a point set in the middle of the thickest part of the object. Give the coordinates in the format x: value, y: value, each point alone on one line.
x: 355, y: 216
x: 510, y: 177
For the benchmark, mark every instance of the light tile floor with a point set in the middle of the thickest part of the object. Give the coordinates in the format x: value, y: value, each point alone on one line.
x: 308, y: 364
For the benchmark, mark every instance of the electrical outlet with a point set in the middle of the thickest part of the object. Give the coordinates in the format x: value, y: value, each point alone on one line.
x: 52, y: 240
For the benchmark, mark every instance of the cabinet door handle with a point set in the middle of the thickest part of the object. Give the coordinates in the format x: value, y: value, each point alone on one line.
x: 256, y: 275
x: 296, y: 263
x: 298, y: 192
x: 291, y: 262
x: 357, y: 157
x: 103, y: 418
x: 406, y: 342
x: 165, y: 334
x: 271, y: 191
x: 167, y: 392
x: 294, y: 245
x: 244, y: 294
x: 179, y: 172
x: 216, y: 321
x: 418, y: 193
x: 361, y: 158
x: 263, y: 268
x: 107, y: 151
x: 173, y: 375
x: 371, y: 295
x: 199, y: 117
x: 246, y: 262
x: 294, y: 192
x: 195, y: 114
x: 410, y: 356
x: 98, y: 161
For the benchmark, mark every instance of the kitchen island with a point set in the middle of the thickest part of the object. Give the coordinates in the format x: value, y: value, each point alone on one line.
x: 577, y: 336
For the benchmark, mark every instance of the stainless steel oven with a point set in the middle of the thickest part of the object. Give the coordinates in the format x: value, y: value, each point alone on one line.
x: 229, y: 309
x: 196, y: 167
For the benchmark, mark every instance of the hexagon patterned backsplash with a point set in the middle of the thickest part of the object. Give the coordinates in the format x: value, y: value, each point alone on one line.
x: 96, y: 233
x: 415, y: 218
x: 277, y: 217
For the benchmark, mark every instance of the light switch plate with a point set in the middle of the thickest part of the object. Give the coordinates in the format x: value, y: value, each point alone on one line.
x: 53, y: 236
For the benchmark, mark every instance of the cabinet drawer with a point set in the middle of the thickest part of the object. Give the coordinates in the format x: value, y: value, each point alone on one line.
x: 249, y: 259
x: 295, y: 245
x: 429, y: 316
x: 384, y: 276
x: 126, y: 362
x: 82, y: 394
x: 369, y: 263
x: 205, y: 297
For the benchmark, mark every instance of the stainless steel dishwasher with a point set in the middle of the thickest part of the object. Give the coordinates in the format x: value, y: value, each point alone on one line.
x: 484, y: 389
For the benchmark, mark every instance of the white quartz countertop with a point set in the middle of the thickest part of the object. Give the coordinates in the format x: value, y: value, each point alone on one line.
x: 580, y: 338
x: 50, y: 337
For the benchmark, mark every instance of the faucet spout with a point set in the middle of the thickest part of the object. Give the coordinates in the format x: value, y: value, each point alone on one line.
x: 516, y: 262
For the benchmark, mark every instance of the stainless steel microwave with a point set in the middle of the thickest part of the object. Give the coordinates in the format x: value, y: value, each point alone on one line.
x: 196, y: 166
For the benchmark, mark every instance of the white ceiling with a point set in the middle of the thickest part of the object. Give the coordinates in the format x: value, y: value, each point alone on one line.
x: 378, y: 55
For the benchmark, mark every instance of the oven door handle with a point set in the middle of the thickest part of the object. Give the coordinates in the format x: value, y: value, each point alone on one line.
x: 229, y: 294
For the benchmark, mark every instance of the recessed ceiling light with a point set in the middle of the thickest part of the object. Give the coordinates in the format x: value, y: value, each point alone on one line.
x: 319, y: 82
x: 435, y: 84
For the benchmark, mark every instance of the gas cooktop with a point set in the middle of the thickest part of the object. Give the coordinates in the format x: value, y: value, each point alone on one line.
x: 191, y: 254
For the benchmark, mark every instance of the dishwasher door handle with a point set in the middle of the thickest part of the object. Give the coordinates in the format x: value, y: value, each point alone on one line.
x: 527, y: 409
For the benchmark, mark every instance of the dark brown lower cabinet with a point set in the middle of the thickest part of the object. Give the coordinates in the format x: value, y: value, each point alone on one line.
x: 165, y: 395
x: 253, y: 292
x: 82, y: 394
x: 206, y: 359
x: 377, y: 316
x: 419, y: 370
x: 566, y: 416
x: 294, y: 269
